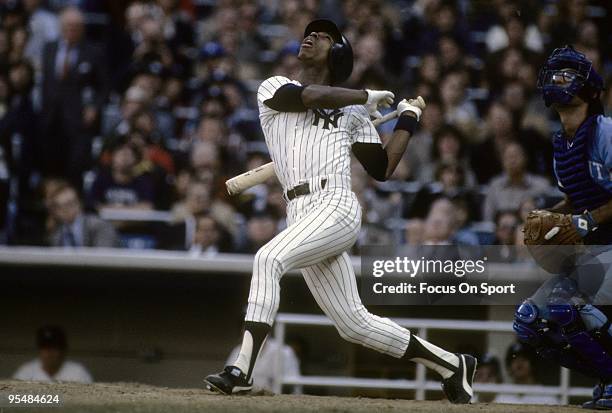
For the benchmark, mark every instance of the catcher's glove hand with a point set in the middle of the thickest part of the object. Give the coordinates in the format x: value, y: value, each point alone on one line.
x: 550, y: 228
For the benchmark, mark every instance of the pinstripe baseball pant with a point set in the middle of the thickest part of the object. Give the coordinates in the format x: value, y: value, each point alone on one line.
x: 322, y: 227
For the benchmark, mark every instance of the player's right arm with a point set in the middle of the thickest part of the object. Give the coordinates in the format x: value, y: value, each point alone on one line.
x: 283, y: 95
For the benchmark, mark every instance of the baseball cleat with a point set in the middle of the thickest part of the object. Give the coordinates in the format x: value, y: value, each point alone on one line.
x: 230, y: 381
x: 458, y: 387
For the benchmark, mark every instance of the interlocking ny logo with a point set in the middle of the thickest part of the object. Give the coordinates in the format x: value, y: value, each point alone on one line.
x: 328, y: 118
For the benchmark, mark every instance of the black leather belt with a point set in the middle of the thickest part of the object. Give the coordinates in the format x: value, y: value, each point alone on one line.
x: 302, y: 189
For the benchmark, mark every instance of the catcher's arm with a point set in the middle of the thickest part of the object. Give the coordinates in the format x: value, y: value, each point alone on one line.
x: 562, y: 207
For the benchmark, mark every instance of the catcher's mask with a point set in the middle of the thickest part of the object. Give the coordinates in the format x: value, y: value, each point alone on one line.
x: 340, y: 59
x: 568, y: 73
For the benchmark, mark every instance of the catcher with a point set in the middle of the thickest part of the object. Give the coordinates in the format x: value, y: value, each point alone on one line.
x: 564, y: 321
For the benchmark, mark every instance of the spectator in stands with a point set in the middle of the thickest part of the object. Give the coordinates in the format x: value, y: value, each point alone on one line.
x: 73, y: 91
x: 198, y: 200
x: 419, y: 153
x: 261, y: 228
x: 439, y: 226
x: 51, y: 364
x: 506, y: 223
x: 489, y: 371
x: 18, y: 123
x: 508, y: 189
x: 457, y: 109
x: 120, y: 186
x: 209, y: 238
x: 73, y: 227
x: 521, y: 367
x: 449, y: 147
x: 43, y: 27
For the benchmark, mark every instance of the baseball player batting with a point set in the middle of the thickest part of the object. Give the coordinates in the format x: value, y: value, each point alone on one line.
x: 310, y: 129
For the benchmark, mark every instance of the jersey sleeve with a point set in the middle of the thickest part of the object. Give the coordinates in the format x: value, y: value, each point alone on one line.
x: 362, y: 130
x: 601, y: 153
x: 268, y: 88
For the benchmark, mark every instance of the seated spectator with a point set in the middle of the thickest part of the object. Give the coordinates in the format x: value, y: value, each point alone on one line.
x: 120, y: 186
x: 51, y: 364
x: 521, y: 363
x: 439, y: 226
x: 506, y: 223
x: 74, y: 228
x: 489, y: 371
x: 261, y: 228
x: 458, y: 110
x: 508, y: 190
x: 209, y: 238
x: 449, y: 147
x: 198, y: 200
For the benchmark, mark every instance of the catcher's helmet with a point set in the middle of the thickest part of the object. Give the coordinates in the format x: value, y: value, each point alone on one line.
x: 340, y: 59
x: 568, y: 73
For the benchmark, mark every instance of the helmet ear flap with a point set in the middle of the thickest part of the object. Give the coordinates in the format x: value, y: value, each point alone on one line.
x: 340, y: 61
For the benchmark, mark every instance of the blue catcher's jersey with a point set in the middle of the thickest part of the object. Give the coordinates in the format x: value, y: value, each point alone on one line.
x: 589, y: 151
x: 600, y: 154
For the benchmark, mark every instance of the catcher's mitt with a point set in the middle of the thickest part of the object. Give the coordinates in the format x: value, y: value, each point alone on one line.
x: 550, y: 228
x: 543, y: 230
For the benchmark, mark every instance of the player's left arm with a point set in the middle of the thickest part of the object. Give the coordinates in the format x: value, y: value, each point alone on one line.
x: 380, y: 160
x: 601, y: 169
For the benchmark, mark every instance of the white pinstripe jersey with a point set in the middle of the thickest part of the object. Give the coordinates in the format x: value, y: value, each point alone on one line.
x: 312, y: 144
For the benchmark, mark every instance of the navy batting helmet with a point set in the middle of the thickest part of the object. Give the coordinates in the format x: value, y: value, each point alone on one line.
x: 568, y: 73
x: 340, y: 59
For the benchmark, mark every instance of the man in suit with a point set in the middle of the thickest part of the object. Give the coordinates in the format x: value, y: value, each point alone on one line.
x: 72, y: 227
x: 73, y: 91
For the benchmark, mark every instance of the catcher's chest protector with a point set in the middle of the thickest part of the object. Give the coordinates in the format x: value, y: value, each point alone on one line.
x: 572, y: 169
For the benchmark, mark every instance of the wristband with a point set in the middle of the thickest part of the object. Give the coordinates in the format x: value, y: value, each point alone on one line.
x: 584, y: 223
x: 407, y: 123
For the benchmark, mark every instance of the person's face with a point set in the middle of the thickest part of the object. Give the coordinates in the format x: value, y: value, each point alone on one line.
x: 430, y: 69
x: 315, y: 48
x: 515, y: 32
x: 500, y: 120
x: 19, y: 77
x: 452, y: 89
x: 520, y: 369
x: 206, y: 233
x: 437, y: 227
x: 51, y: 359
x: 506, y: 228
x: 261, y: 230
x: 72, y: 27
x: 123, y: 159
x: 65, y: 207
x: 485, y: 374
x: 449, y: 146
x: 211, y: 130
x: 198, y: 198
x: 450, y: 178
x: 514, y: 159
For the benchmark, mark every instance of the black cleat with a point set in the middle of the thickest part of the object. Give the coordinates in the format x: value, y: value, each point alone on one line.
x: 458, y: 387
x: 230, y: 381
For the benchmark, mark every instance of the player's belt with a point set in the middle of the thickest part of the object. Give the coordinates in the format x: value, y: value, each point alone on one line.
x: 302, y: 189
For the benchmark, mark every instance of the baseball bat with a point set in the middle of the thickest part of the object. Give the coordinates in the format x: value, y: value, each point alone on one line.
x: 262, y: 173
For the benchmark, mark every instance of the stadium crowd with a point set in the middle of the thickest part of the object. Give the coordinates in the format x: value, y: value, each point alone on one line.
x: 120, y: 121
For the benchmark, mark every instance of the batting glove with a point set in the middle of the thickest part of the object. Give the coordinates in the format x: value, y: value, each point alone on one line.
x: 415, y: 106
x: 376, y: 99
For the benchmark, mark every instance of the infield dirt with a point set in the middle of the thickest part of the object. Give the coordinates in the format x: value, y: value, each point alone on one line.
x: 136, y: 398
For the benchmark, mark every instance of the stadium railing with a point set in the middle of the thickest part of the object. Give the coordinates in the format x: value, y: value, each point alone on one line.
x: 421, y: 327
